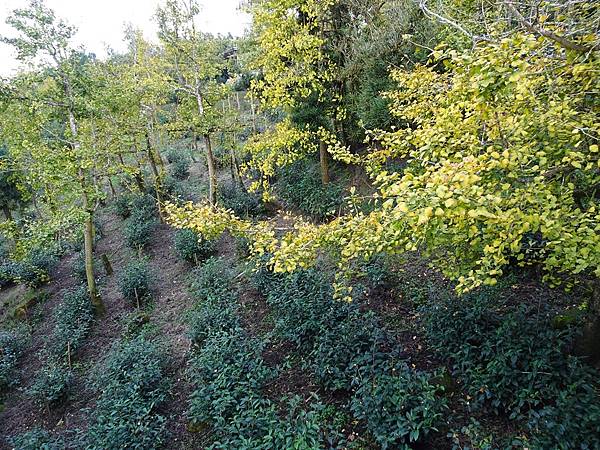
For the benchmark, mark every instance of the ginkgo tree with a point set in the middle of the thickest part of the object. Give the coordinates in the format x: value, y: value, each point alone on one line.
x: 297, y: 75
x: 194, y: 65
x: 502, y: 168
x: 43, y: 119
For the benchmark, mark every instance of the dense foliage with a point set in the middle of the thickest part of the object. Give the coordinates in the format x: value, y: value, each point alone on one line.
x: 133, y: 385
x: 385, y: 229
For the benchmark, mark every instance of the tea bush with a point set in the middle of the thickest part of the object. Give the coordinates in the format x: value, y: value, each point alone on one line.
x: 34, y: 269
x: 342, y: 349
x: 304, y: 304
x: 138, y: 230
x: 212, y: 282
x: 135, y: 282
x: 573, y: 420
x: 216, y: 308
x: 51, y: 384
x: 399, y: 407
x: 191, y: 247
x: 180, y: 168
x: 122, y: 205
x: 299, y: 186
x: 7, y: 273
x: 73, y: 319
x: 12, y: 345
x: 229, y: 373
x: 240, y: 201
x: 259, y: 425
x: 133, y: 386
x: 208, y: 319
x: 513, y: 362
x: 37, y: 439
x: 174, y: 188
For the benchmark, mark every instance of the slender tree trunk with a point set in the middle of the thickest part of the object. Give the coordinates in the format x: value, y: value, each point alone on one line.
x: 210, y: 158
x: 212, y: 172
x: 157, y: 187
x: 235, y: 168
x: 113, y: 192
x: 237, y: 100
x: 88, y: 234
x: 7, y: 212
x: 324, y: 160
x: 88, y: 245
x: 253, y: 113
x: 193, y: 148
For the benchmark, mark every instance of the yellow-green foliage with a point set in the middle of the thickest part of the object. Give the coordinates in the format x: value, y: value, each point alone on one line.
x: 276, y: 148
x: 291, y: 53
x: 502, y: 165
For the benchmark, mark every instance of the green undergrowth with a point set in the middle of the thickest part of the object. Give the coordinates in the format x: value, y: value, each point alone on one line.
x: 13, y: 343
x: 229, y: 374
x: 345, y: 351
x: 191, y: 247
x: 73, y: 319
x: 299, y: 186
x: 140, y: 214
x: 349, y: 351
x: 243, y: 203
x: 136, y: 282
x: 513, y: 363
x: 133, y: 386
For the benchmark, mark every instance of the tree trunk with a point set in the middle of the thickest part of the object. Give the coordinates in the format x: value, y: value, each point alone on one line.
x: 157, y: 187
x: 113, y: 192
x: 88, y: 245
x: 323, y: 158
x: 253, y: 112
x: 88, y: 233
x: 7, y: 212
x: 237, y: 100
x: 210, y: 158
x: 193, y: 148
x: 107, y: 266
x: 212, y: 172
x: 235, y: 168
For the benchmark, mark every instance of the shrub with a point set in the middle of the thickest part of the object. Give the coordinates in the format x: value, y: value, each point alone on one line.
x: 258, y: 425
x: 300, y: 186
x: 512, y: 361
x: 180, y: 169
x: 208, y: 319
x: 133, y: 386
x: 12, y: 345
x: 73, y: 319
x: 192, y: 247
x: 304, y: 304
x: 138, y: 230
x: 174, y: 188
x: 572, y: 421
x: 51, y: 384
x: 35, y: 268
x: 345, y: 347
x: 135, y: 324
x: 212, y: 282
x: 36, y: 439
x: 134, y: 282
x: 122, y: 205
x: 228, y: 372
x: 240, y: 201
x: 7, y: 273
x: 399, y: 407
